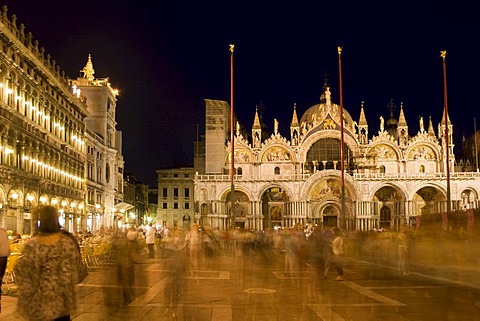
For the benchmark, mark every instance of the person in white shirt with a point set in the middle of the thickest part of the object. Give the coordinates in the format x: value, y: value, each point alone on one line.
x: 337, y: 249
x: 4, y: 252
x: 150, y: 240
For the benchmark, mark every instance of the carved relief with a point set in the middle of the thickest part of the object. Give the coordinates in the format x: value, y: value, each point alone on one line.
x: 329, y: 124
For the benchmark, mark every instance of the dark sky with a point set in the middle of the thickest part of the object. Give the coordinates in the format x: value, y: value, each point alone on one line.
x: 166, y: 57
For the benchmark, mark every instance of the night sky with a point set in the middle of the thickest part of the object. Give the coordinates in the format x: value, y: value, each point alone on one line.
x: 166, y: 57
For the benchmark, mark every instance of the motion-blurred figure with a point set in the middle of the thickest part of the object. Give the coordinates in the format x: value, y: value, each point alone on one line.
x: 48, y: 270
x: 150, y: 240
x: 125, y: 256
x: 177, y: 258
x: 4, y: 253
x: 337, y: 249
x: 402, y: 252
x: 194, y: 241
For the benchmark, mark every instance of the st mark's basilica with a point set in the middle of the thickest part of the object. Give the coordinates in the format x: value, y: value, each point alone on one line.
x: 391, y: 178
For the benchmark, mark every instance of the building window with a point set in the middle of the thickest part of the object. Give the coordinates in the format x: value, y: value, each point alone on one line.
x: 422, y: 169
x: 164, y: 205
x: 277, y: 170
x: 187, y: 192
x: 165, y: 192
x: 175, y: 192
x: 187, y: 175
x: 175, y: 206
x: 382, y: 169
x: 175, y: 175
x: 187, y: 206
x: 239, y: 171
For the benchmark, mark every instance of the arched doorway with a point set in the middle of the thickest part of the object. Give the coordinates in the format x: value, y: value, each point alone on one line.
x: 273, y: 207
x: 385, y: 217
x: 330, y: 216
x: 389, y: 208
x: 241, y: 204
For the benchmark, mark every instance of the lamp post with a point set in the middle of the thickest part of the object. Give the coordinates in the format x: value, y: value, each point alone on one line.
x: 115, y: 224
x: 98, y: 218
x: 81, y: 219
x: 28, y: 206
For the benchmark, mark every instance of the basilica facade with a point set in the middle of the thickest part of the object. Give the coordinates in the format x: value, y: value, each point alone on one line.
x: 390, y: 178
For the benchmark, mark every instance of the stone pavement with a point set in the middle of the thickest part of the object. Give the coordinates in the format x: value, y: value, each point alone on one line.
x: 257, y: 287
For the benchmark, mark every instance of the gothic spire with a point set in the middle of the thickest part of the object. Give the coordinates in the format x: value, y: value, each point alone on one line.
x: 401, y: 118
x: 256, y: 120
x: 431, y: 131
x: 363, y: 120
x: 294, y: 117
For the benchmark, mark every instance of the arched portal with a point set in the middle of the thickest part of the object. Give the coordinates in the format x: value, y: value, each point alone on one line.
x: 385, y: 217
x: 429, y: 200
x: 241, y: 208
x: 273, y: 207
x: 330, y: 216
x: 388, y: 208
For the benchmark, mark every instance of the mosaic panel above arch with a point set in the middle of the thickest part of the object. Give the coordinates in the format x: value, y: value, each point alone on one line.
x: 328, y: 188
x: 242, y: 156
x: 383, y: 151
x: 275, y: 194
x: 276, y: 154
x: 421, y: 152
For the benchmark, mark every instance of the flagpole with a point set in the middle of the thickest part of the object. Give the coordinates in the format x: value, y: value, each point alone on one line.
x: 475, y: 141
x: 342, y: 166
x: 232, y: 150
x: 443, y: 54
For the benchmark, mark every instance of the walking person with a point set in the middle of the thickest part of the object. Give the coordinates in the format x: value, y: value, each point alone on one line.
x: 4, y: 253
x: 193, y: 240
x: 150, y: 240
x: 326, y: 238
x: 402, y: 252
x: 48, y: 270
x: 338, y: 254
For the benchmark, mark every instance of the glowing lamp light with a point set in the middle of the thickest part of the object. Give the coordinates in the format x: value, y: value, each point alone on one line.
x: 43, y: 199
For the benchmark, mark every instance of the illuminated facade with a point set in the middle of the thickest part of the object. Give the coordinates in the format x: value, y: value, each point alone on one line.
x: 175, y: 197
x: 390, y: 178
x: 58, y: 143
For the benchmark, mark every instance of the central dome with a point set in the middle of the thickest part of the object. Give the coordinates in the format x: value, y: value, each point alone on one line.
x: 318, y: 112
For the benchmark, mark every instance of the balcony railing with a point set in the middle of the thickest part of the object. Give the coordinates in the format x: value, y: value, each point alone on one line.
x: 415, y: 176
x: 247, y: 178
x: 356, y: 176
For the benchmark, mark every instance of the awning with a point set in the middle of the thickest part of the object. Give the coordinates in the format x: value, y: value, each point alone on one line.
x: 123, y: 207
